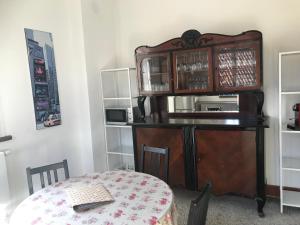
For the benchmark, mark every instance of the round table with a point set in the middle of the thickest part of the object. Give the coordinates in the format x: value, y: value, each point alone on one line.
x: 138, y: 199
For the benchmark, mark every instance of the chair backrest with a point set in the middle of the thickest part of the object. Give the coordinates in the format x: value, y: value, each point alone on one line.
x: 47, y: 169
x: 154, y: 162
x: 199, y: 206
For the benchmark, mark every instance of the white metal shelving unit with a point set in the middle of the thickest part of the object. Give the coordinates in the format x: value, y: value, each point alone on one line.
x: 289, y: 140
x: 118, y: 89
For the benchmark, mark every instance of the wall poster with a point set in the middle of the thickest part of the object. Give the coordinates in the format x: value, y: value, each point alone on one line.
x: 43, y: 78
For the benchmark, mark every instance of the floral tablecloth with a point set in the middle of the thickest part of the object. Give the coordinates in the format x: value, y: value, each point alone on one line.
x: 138, y: 199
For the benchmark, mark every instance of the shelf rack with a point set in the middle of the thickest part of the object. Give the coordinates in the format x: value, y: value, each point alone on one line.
x: 118, y: 156
x: 288, y: 164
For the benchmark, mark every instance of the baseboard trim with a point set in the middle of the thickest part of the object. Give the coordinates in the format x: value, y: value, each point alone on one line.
x: 273, y: 191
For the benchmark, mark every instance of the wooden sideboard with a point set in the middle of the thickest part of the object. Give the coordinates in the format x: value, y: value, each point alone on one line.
x: 230, y: 153
x: 226, y: 148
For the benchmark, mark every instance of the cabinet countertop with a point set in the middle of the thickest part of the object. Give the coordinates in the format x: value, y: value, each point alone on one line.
x: 204, y: 123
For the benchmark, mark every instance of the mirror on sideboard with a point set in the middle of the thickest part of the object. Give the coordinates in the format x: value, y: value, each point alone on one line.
x: 198, y: 104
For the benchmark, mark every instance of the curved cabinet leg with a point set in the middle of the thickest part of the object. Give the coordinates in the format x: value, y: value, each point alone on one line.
x: 260, y: 205
x: 260, y: 164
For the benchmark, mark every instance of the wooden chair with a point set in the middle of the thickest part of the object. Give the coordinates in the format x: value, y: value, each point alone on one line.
x: 199, y: 206
x: 47, y: 169
x: 154, y: 163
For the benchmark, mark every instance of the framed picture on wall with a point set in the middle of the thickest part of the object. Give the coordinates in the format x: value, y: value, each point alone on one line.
x: 43, y: 78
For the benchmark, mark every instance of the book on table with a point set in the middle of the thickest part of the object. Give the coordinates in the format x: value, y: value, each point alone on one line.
x: 86, y: 197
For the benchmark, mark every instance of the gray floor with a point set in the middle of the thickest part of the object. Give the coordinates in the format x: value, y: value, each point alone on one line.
x: 232, y: 210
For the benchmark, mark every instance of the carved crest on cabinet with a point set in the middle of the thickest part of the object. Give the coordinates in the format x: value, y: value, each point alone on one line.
x: 191, y: 39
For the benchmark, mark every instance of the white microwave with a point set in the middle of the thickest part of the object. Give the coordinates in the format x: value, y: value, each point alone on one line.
x: 120, y: 116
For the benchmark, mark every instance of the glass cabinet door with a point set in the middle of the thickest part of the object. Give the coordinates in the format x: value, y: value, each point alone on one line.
x: 155, y: 74
x: 237, y: 67
x: 193, y: 71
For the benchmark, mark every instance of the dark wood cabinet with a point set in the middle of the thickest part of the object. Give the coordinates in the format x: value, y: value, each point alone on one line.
x: 225, y: 157
x: 201, y: 63
x: 228, y: 160
x: 226, y: 148
x: 163, y: 137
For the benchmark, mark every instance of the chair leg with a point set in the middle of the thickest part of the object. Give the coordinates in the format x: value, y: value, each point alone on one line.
x: 29, y: 180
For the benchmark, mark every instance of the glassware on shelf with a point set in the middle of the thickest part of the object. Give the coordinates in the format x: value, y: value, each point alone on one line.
x: 157, y: 87
x: 155, y: 73
x: 237, y: 67
x: 197, y: 82
x: 192, y: 70
x: 146, y: 75
x: 192, y: 62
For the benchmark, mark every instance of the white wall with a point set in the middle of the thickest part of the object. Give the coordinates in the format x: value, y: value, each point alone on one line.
x: 72, y: 139
x: 155, y: 21
x: 99, y: 38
